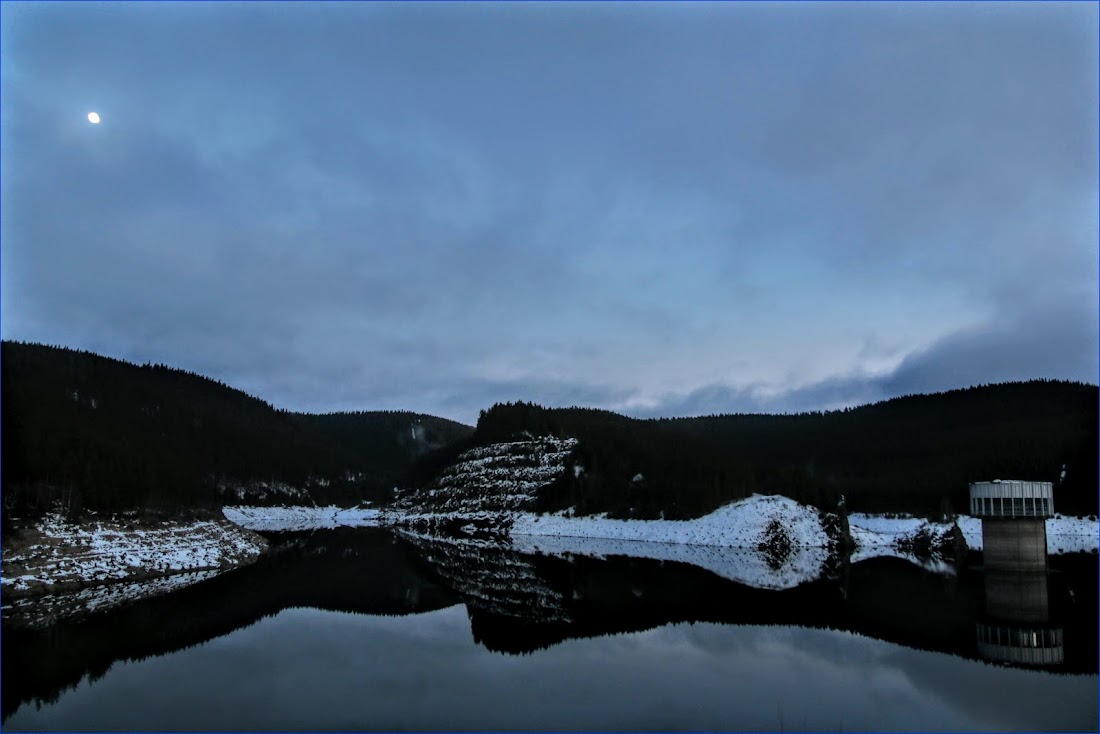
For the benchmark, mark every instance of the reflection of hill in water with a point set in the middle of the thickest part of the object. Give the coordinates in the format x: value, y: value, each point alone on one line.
x: 521, y: 602
x: 361, y: 571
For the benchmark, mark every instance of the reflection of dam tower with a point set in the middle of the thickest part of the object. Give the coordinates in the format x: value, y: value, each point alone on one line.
x: 1014, y: 540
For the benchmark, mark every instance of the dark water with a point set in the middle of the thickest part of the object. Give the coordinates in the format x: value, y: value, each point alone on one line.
x: 370, y: 630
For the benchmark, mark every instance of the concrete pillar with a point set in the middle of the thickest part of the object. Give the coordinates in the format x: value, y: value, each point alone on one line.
x: 1019, y: 544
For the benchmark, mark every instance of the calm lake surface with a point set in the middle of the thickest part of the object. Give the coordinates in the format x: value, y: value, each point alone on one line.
x: 374, y: 630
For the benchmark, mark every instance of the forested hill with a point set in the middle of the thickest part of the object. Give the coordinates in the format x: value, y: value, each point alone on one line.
x: 107, y: 434
x: 102, y: 433
x: 911, y: 454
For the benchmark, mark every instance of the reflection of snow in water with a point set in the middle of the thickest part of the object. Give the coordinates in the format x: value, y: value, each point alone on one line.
x: 291, y: 519
x: 744, y: 566
x: 42, y: 611
x: 106, y: 550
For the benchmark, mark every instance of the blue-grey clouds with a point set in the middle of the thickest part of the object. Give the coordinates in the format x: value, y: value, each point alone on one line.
x: 638, y: 207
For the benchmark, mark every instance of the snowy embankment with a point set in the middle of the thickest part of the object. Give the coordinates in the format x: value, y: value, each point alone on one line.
x: 769, y: 542
x: 741, y: 524
x: 291, y: 519
x: 1069, y: 535
x: 55, y: 555
x: 876, y: 534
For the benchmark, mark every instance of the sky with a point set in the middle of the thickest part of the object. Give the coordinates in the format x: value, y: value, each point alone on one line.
x: 657, y: 209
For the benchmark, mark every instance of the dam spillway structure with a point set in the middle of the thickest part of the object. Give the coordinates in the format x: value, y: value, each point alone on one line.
x: 1014, y: 547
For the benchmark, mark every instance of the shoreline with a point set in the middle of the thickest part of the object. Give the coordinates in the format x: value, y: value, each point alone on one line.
x: 738, y: 525
x: 52, y: 555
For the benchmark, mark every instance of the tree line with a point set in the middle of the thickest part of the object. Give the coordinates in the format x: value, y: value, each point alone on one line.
x: 106, y: 434
x: 913, y: 454
x: 101, y: 433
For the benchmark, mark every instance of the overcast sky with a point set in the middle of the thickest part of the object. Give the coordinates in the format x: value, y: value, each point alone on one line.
x: 657, y: 209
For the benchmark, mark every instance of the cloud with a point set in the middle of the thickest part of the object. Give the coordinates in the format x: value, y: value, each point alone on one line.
x: 720, y: 205
x: 1057, y: 340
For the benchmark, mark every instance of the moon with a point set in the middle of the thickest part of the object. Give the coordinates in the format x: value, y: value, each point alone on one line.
x: 93, y: 117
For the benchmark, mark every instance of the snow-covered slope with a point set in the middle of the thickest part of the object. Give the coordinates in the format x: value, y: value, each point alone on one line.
x: 56, y: 553
x: 501, y: 477
x: 746, y: 523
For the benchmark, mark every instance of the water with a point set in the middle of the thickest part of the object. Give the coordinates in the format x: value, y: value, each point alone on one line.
x: 369, y: 630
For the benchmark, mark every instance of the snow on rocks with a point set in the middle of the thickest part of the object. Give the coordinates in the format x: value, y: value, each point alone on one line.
x: 54, y: 554
x: 289, y: 519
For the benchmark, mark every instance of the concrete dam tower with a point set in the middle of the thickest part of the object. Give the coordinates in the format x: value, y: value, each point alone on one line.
x: 1014, y: 540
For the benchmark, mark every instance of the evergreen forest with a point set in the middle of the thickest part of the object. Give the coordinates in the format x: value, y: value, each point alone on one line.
x: 914, y: 454
x: 99, y: 433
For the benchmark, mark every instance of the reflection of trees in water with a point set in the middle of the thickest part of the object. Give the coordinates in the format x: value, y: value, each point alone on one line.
x: 776, y: 545
x: 521, y: 602
x: 303, y: 570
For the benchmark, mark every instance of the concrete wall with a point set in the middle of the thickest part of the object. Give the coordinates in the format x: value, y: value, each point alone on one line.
x: 1017, y: 545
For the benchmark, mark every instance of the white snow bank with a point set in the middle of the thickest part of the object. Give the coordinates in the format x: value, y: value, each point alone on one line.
x: 741, y: 524
x: 286, y: 519
x: 1072, y: 535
